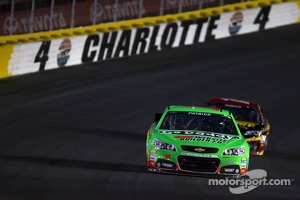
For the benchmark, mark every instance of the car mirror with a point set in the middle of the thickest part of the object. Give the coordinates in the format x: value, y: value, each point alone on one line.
x: 157, y: 117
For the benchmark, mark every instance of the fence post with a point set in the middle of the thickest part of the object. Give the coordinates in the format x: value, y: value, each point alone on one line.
x: 115, y: 16
x: 141, y: 8
x: 94, y: 11
x: 31, y: 23
x: 73, y: 14
x: 180, y: 6
x: 161, y: 9
x: 51, y: 14
x: 11, y: 17
x: 200, y: 4
x: 221, y: 2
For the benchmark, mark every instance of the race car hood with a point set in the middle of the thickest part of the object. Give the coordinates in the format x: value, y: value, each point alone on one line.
x: 245, y: 126
x: 201, y: 138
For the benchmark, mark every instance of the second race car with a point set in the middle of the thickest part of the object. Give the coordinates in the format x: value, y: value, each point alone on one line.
x: 250, y: 119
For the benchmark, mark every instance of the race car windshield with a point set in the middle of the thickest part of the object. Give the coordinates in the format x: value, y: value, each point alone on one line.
x: 199, y: 121
x: 240, y: 113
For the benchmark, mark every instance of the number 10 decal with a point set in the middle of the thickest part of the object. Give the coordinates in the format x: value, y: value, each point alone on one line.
x: 263, y: 17
x: 42, y: 55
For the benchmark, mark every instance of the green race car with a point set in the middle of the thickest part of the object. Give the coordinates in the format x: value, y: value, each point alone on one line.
x: 195, y: 141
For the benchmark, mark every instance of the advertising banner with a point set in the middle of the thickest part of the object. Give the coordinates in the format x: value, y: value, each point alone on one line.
x: 77, y: 50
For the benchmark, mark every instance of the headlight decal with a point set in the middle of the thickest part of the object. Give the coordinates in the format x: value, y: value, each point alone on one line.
x: 163, y: 145
x: 255, y: 133
x: 263, y: 139
x: 234, y: 151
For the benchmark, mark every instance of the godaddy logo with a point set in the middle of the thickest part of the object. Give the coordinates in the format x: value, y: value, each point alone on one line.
x: 254, y: 179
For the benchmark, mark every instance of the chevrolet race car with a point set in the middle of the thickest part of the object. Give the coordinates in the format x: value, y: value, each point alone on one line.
x: 196, y: 141
x: 249, y: 117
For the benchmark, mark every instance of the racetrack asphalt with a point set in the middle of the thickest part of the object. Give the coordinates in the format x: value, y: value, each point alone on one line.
x: 79, y: 132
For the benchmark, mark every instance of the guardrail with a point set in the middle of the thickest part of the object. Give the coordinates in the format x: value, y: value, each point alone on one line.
x: 35, y: 52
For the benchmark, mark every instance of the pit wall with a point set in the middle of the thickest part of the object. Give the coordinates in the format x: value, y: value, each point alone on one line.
x: 29, y: 53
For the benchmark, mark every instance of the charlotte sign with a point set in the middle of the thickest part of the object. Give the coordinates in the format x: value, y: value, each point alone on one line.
x: 92, y: 48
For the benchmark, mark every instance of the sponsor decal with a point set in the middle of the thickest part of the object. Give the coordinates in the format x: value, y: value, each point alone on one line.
x: 199, y: 155
x: 229, y: 162
x: 106, y: 12
x: 199, y: 133
x: 228, y: 169
x: 167, y: 165
x: 199, y: 150
x: 243, y: 163
x: 235, y: 106
x: 167, y: 156
x: 202, y: 139
x: 64, y: 52
x: 152, y: 155
x: 236, y: 22
x: 246, y: 124
x: 184, y: 137
x: 40, y: 22
x: 199, y: 113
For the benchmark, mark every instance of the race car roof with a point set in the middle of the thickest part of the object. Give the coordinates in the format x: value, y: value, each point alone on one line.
x: 197, y: 109
x: 236, y: 102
